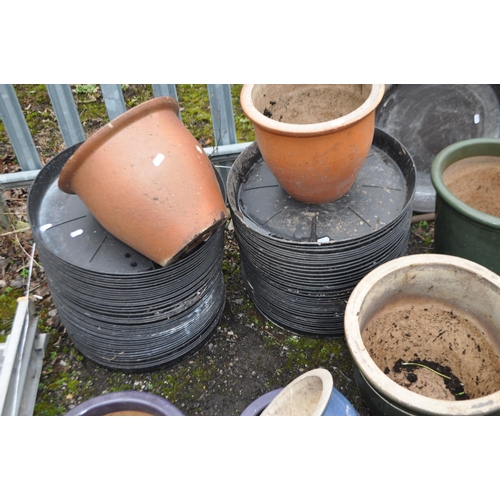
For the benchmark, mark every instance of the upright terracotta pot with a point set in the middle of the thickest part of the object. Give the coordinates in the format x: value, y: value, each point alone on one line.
x: 313, y: 138
x: 146, y: 179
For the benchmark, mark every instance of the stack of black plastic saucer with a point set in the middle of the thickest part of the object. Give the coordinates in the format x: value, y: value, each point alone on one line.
x: 300, y: 262
x: 120, y: 309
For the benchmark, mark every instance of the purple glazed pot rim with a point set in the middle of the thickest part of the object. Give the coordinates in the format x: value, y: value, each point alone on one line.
x: 125, y: 401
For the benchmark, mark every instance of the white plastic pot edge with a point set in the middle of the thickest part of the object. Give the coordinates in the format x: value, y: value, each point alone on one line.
x: 375, y: 376
x: 327, y: 383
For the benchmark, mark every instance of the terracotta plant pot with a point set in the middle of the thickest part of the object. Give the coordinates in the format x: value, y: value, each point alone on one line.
x: 146, y: 179
x: 466, y: 176
x: 424, y: 335
x: 313, y: 138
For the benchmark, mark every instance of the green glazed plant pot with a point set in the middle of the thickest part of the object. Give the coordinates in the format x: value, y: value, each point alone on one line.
x: 460, y: 229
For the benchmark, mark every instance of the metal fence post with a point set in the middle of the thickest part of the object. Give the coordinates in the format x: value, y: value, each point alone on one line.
x: 222, y: 114
x: 164, y: 89
x: 17, y: 129
x: 226, y: 147
x: 222, y: 121
x: 113, y: 98
x: 66, y: 113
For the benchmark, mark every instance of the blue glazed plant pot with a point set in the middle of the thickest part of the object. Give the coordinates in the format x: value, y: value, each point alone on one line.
x: 255, y: 408
x: 339, y: 406
x: 311, y: 394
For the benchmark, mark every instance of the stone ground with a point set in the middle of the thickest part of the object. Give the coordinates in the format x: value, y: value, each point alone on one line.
x: 246, y: 356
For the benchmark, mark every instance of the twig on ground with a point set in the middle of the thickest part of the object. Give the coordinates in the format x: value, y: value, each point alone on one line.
x: 10, y: 233
x: 423, y: 217
x: 29, y: 256
x: 342, y: 373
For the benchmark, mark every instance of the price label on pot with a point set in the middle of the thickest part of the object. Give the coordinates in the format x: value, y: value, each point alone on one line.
x: 158, y: 159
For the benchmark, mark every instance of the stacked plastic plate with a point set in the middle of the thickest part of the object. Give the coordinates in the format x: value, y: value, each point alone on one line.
x: 120, y: 309
x: 300, y: 262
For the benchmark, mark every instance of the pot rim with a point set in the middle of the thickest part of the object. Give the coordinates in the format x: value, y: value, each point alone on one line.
x: 309, y: 129
x: 327, y: 387
x: 109, y: 130
x: 375, y: 376
x: 256, y: 407
x: 125, y: 400
x: 456, y: 152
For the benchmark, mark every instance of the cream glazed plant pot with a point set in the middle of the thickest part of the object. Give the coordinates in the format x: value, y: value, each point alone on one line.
x: 313, y: 138
x: 424, y: 335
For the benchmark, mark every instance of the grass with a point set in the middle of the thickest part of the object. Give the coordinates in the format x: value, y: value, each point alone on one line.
x: 8, y: 305
x: 42, y: 122
x: 424, y: 231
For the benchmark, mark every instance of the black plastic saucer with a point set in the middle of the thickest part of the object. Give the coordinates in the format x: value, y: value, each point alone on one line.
x: 428, y: 118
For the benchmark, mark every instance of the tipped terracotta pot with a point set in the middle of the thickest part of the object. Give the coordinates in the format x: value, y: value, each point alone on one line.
x: 147, y: 180
x: 313, y: 138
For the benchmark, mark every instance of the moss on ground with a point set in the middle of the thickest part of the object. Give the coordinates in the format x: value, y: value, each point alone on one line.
x: 8, y: 305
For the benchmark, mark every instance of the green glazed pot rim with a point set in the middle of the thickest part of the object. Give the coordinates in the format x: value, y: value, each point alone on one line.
x: 459, y: 151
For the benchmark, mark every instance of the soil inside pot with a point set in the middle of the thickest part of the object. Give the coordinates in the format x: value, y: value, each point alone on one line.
x: 429, y: 376
x: 442, y: 338
x: 302, y: 104
x: 476, y: 182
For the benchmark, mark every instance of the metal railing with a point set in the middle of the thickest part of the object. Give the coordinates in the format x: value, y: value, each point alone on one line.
x: 21, y: 359
x: 61, y: 97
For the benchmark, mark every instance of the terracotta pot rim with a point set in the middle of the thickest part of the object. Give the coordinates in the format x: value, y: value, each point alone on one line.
x: 367, y: 366
x: 309, y: 129
x: 456, y: 152
x: 106, y: 132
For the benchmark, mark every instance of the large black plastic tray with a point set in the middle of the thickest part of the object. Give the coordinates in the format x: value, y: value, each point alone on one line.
x: 428, y: 118
x: 301, y: 261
